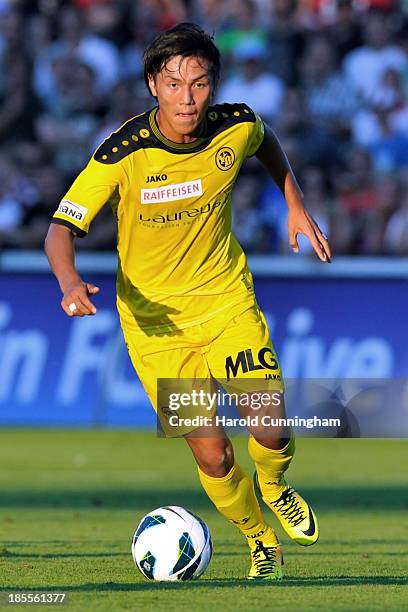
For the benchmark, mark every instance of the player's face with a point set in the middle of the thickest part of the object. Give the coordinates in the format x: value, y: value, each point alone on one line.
x: 183, y: 89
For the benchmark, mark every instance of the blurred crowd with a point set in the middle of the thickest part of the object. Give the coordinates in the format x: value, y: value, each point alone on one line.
x: 330, y: 76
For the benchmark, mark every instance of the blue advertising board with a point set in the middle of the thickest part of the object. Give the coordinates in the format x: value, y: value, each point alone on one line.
x: 76, y: 372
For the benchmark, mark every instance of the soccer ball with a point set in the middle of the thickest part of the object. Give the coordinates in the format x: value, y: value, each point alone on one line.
x: 172, y: 543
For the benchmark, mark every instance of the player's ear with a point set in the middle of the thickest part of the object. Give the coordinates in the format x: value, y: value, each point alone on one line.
x: 152, y: 86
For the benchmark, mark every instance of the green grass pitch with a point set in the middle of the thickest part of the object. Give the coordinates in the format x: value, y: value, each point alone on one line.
x: 70, y: 501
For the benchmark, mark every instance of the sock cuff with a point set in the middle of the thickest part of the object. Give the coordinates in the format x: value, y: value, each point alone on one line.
x: 256, y: 450
x: 214, y: 479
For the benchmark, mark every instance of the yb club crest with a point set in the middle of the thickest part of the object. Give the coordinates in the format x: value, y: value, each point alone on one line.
x: 225, y: 158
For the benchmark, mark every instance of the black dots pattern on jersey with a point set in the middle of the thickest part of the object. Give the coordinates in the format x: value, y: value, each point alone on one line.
x: 142, y: 132
x: 223, y: 116
x: 131, y: 136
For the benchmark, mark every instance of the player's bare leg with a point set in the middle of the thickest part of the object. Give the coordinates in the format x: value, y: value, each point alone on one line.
x: 232, y: 492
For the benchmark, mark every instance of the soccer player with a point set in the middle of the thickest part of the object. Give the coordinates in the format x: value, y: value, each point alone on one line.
x: 185, y: 295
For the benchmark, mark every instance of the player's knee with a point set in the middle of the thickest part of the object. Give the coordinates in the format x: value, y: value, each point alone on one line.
x: 216, y: 458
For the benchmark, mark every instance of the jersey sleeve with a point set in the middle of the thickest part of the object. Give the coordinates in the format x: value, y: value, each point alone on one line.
x: 92, y: 188
x: 256, y: 133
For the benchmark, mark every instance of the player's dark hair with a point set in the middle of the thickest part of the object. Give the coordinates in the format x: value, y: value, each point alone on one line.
x: 187, y: 40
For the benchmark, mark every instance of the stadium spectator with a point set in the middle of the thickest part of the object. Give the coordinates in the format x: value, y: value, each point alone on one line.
x: 66, y: 128
x: 365, y: 66
x: 390, y: 193
x: 312, y: 144
x: 241, y: 26
x: 76, y: 41
x: 30, y: 232
x: 357, y: 194
x: 315, y: 189
x: 11, y: 26
x: 247, y: 222
x: 106, y: 19
x: 345, y: 29
x: 17, y: 106
x: 357, y: 190
x: 18, y: 191
x: 390, y: 151
x: 383, y: 129
x: 286, y: 40
x: 251, y: 83
x: 132, y: 52
x: 329, y: 96
x: 38, y: 35
x: 341, y: 230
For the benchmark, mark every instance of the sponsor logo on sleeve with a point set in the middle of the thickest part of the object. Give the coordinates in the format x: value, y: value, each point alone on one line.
x: 71, y: 210
x: 171, y: 193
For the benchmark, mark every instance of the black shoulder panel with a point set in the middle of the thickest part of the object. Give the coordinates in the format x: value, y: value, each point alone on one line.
x: 142, y: 132
x: 131, y: 136
x: 223, y: 116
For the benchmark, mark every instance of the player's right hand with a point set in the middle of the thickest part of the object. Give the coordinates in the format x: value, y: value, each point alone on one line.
x: 76, y: 302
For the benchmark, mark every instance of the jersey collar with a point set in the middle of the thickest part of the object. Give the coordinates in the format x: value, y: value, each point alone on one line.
x: 177, y: 146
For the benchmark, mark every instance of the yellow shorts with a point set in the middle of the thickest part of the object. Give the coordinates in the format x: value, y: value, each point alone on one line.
x: 233, y: 347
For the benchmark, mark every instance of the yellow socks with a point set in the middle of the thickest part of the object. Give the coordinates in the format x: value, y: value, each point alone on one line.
x: 234, y: 497
x: 271, y: 465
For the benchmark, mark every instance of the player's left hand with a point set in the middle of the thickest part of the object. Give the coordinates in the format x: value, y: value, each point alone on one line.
x: 301, y: 222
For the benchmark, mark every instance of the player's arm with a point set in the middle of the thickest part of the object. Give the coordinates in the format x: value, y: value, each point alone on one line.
x: 60, y: 250
x: 90, y: 191
x: 272, y: 156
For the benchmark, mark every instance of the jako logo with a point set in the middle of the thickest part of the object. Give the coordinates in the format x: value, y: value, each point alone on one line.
x: 155, y: 178
x: 245, y: 361
x: 71, y: 210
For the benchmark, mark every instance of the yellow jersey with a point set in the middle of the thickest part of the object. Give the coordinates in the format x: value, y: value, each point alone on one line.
x: 179, y: 263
